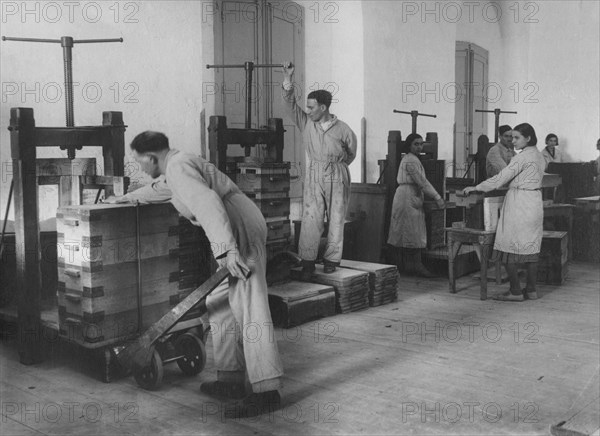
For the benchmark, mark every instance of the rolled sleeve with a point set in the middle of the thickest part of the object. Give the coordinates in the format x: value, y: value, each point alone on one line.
x: 293, y: 111
x: 155, y: 192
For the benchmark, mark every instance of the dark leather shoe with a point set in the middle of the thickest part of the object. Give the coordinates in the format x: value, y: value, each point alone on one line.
x: 253, y: 405
x: 509, y: 296
x: 219, y: 389
x: 328, y: 267
x: 530, y: 295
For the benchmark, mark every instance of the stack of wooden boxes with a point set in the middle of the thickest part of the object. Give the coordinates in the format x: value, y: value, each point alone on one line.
x: 102, y: 263
x: 268, y: 185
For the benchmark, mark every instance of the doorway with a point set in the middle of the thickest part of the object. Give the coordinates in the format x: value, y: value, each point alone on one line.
x: 471, y: 76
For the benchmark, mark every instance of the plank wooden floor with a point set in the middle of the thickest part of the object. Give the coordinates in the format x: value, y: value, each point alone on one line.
x: 432, y: 363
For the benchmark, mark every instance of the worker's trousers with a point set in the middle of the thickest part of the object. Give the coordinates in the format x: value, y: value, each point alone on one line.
x: 326, y: 193
x: 240, y: 320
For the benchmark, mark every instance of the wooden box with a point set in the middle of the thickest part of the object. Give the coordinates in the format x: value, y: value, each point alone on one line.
x: 367, y: 209
x: 273, y: 207
x: 295, y: 303
x: 586, y: 229
x: 266, y: 177
x: 278, y: 228
x: 101, y: 261
x: 278, y: 246
x: 435, y: 225
x: 553, y: 261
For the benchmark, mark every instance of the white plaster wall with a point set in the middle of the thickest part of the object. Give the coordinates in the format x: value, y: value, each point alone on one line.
x: 334, y: 60
x: 555, y: 61
x: 368, y: 51
x: 152, y: 77
x: 406, y: 50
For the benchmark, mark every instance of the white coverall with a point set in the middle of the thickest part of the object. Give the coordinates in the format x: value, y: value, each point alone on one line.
x: 238, y: 311
x: 498, y: 158
x: 327, y: 185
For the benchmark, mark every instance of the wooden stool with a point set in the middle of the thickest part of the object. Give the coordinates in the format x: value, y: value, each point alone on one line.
x: 482, y: 241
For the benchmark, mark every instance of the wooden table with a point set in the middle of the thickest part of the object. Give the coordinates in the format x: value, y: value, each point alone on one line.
x: 482, y: 241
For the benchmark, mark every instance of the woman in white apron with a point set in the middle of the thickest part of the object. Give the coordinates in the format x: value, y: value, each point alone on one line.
x: 407, y: 224
x: 519, y: 231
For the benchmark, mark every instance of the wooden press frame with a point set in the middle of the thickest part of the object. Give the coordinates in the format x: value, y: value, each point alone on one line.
x: 25, y: 137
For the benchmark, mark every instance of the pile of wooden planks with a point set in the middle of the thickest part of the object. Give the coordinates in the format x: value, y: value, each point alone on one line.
x: 383, y: 280
x: 117, y: 262
x: 351, y: 287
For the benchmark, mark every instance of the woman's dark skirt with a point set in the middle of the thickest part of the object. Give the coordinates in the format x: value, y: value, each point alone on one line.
x: 505, y: 257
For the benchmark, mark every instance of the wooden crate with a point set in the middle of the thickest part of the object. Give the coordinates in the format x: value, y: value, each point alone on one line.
x: 278, y: 228
x: 273, y: 207
x: 435, y: 224
x: 278, y: 246
x: 266, y: 177
x: 295, y: 303
x: 586, y: 229
x: 553, y: 265
x: 367, y: 209
x: 98, y: 261
x: 474, y: 217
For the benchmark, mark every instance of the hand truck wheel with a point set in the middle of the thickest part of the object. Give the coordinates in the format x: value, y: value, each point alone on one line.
x: 193, y: 353
x: 151, y: 376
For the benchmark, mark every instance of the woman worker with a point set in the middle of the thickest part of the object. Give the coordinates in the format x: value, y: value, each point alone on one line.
x: 550, y: 152
x: 407, y: 226
x: 519, y: 231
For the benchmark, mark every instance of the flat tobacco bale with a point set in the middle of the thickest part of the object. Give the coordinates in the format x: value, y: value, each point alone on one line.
x: 295, y: 303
